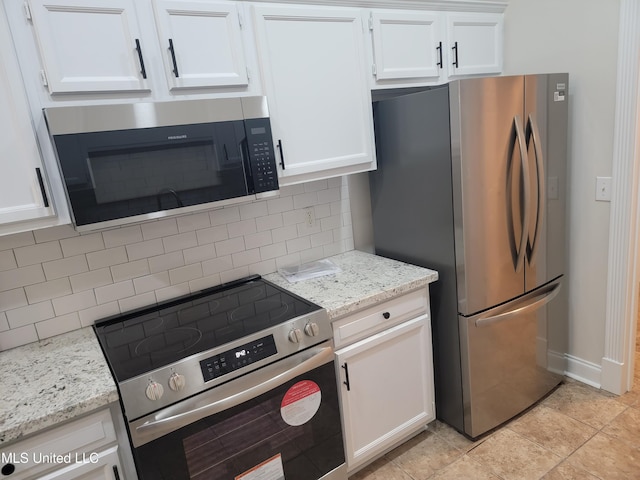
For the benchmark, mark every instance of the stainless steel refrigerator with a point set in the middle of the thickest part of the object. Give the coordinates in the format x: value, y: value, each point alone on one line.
x: 471, y: 181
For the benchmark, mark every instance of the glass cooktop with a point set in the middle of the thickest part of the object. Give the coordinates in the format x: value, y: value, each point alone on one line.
x: 143, y: 340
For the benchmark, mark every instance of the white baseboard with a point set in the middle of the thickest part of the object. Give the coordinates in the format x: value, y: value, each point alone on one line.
x: 576, y: 368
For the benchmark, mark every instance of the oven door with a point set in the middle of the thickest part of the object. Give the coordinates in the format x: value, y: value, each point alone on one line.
x: 279, y: 422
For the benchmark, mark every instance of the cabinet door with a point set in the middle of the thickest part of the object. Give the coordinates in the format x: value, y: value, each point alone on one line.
x: 407, y: 45
x: 475, y: 43
x: 386, y: 389
x: 89, y: 46
x: 23, y: 191
x: 313, y: 67
x: 201, y: 42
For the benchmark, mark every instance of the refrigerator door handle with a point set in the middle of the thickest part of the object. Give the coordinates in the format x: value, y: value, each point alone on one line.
x: 547, y: 294
x: 526, y: 193
x: 533, y: 131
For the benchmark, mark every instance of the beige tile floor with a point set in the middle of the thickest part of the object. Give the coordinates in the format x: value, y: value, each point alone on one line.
x: 576, y: 433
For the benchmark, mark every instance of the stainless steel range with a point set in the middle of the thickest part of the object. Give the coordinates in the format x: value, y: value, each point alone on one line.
x: 235, y: 382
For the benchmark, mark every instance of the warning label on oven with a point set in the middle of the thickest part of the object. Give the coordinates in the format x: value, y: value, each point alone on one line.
x: 268, y: 470
x: 300, y: 403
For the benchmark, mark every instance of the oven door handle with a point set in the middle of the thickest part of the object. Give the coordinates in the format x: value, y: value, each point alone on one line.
x: 229, y: 395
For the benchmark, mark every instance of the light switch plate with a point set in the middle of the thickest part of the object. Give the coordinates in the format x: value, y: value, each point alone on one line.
x: 603, y: 189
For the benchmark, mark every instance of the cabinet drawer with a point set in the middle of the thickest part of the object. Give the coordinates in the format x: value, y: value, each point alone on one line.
x: 39, y: 454
x: 375, y: 319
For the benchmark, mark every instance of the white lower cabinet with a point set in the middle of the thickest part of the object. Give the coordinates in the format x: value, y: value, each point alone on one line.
x: 385, y: 379
x: 83, y: 449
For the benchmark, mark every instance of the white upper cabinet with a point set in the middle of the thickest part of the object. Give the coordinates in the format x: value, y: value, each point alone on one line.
x: 24, y: 193
x: 475, y: 43
x: 89, y: 46
x: 201, y: 43
x: 407, y: 45
x: 314, y: 72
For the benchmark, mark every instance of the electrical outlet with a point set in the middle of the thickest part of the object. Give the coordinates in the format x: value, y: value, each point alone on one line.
x: 603, y: 189
x: 310, y: 217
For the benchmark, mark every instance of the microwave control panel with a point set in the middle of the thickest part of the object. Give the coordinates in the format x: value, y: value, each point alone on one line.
x: 262, y: 158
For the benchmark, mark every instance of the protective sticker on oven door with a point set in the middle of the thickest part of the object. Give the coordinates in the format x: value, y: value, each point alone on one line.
x: 270, y: 469
x: 300, y: 403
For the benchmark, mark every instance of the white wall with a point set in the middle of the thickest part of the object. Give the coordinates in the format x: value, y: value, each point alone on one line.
x: 579, y: 37
x: 54, y: 280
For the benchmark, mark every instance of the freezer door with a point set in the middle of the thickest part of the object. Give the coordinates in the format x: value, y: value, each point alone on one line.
x: 506, y: 361
x: 546, y: 125
x: 490, y: 182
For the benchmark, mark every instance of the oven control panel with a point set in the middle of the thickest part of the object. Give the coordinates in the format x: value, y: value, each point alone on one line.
x: 239, y: 357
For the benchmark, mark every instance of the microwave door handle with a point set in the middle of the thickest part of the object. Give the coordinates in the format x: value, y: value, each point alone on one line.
x: 234, y: 393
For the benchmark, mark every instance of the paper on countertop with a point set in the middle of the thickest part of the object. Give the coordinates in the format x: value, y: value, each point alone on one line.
x: 309, y: 270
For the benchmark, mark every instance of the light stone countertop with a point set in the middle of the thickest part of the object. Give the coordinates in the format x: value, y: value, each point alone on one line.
x: 47, y: 382
x: 365, y: 280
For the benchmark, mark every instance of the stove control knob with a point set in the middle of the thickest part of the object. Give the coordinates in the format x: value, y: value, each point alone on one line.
x: 176, y: 382
x: 311, y: 329
x: 295, y: 335
x: 154, y: 390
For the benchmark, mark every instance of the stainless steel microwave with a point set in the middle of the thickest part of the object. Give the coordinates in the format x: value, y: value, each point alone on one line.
x: 132, y: 162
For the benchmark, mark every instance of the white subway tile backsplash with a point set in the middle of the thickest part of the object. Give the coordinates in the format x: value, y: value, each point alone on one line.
x: 122, y: 236
x: 256, y: 240
x: 18, y: 336
x: 166, y: 262
x: 9, y: 242
x: 47, y: 290
x: 54, y: 233
x: 217, y: 265
x: 184, y: 274
x: 159, y: 229
x: 30, y: 314
x: 243, y: 227
x: 58, y: 325
x: 227, y: 247
x: 90, y: 315
x: 152, y: 282
x: 65, y: 267
x: 196, y: 221
x: 107, y: 258
x: 179, y: 242
x: 115, y: 291
x: 137, y: 301
x: 39, y: 253
x: 247, y: 257
x: 90, y: 280
x: 72, y: 280
x: 82, y: 244
x: 73, y: 303
x: 7, y: 260
x: 253, y: 210
x: 269, y: 222
x: 212, y: 234
x: 21, y: 277
x: 173, y: 291
x: 147, y: 249
x: 284, y: 233
x: 129, y: 270
x: 13, y: 299
x: 223, y: 216
x: 279, y: 205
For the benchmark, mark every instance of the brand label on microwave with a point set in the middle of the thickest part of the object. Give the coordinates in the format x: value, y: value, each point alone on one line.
x: 176, y: 137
